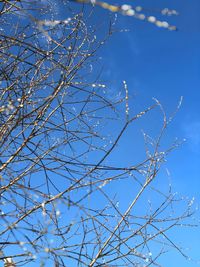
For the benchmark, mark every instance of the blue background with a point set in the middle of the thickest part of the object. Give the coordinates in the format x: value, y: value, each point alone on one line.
x: 166, y: 65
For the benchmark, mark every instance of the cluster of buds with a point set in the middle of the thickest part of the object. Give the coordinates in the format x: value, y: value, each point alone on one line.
x: 135, y: 12
x: 53, y: 23
x: 128, y: 10
x: 169, y: 12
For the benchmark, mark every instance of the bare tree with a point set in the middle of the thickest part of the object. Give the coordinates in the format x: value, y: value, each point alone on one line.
x: 55, y: 208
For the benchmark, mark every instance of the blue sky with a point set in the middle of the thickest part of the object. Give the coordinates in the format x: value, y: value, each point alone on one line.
x: 165, y: 65
x: 161, y: 64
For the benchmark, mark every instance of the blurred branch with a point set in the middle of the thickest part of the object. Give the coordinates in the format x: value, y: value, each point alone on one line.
x: 58, y: 204
x: 133, y: 11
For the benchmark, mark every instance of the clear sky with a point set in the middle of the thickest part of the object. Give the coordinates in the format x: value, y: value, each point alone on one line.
x: 161, y: 64
x: 166, y: 65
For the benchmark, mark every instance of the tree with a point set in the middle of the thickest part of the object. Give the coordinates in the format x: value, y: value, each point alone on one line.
x: 54, y: 171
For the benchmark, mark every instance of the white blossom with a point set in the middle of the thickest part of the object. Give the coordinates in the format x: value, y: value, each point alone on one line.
x: 130, y: 12
x: 152, y: 19
x: 125, y: 7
